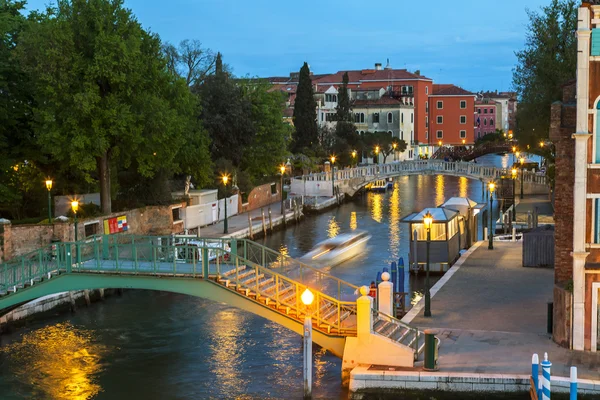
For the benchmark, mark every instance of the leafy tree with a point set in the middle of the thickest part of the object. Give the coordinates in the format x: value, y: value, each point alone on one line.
x: 105, y: 98
x: 305, y: 113
x: 548, y: 60
x: 271, y: 135
x: 226, y: 114
x: 384, y: 141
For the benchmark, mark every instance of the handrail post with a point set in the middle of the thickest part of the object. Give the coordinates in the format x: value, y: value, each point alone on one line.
x: 204, y: 262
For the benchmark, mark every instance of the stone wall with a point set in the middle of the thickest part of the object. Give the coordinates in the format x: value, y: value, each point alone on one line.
x: 561, y: 321
x: 562, y: 126
x: 262, y: 196
x: 21, y: 239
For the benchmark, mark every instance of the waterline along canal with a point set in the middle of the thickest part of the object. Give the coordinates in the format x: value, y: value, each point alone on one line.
x: 155, y: 345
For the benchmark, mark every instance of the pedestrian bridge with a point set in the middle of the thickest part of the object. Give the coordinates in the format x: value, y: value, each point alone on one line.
x: 247, y: 275
x: 351, y: 180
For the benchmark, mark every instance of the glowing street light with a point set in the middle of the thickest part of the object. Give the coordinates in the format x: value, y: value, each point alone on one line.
x: 514, y: 177
x: 522, y: 160
x: 332, y: 175
x: 353, y: 157
x: 282, y: 170
x: 491, y: 187
x: 440, y: 143
x: 49, y: 188
x: 75, y: 207
x: 225, y: 179
x: 463, y: 142
x: 377, y: 153
x: 394, y: 145
x: 427, y: 221
x: 307, y: 299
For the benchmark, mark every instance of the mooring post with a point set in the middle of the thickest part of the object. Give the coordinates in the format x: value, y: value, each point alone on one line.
x: 270, y: 220
x: 264, y: 225
x: 546, y: 365
x: 250, y: 227
x: 573, y: 386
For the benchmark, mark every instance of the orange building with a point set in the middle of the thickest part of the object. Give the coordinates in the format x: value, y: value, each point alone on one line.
x: 451, y: 116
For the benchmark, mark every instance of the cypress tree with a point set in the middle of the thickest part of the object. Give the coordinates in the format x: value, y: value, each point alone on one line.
x: 343, y: 112
x: 305, y: 113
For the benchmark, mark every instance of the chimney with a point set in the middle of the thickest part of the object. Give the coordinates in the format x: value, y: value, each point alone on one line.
x: 388, y: 66
x: 378, y: 66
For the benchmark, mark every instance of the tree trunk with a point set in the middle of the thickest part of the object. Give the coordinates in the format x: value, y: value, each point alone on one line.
x: 104, y: 173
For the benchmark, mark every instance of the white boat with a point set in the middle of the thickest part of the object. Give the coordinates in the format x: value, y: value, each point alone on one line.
x: 336, y: 250
x: 381, y: 185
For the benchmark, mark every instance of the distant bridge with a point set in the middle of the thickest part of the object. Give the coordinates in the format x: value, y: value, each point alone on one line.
x: 351, y: 180
x: 250, y: 276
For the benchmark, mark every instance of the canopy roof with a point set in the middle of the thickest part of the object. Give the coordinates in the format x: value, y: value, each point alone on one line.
x: 439, y: 215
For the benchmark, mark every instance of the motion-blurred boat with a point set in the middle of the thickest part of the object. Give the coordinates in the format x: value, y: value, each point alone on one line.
x: 338, y: 249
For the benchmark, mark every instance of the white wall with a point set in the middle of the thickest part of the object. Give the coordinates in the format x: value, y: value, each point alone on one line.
x: 208, y: 213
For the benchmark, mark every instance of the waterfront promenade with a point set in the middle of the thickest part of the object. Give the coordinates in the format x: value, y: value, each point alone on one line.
x: 491, y: 317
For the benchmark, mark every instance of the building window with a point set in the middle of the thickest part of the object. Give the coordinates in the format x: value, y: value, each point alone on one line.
x: 440, y: 134
x: 391, y: 133
x: 331, y: 98
x: 357, y: 132
x: 485, y: 122
x: 412, y: 118
x: 596, y: 238
x: 401, y: 135
x: 329, y: 117
x: 362, y: 133
x: 463, y: 104
x: 491, y: 121
x: 440, y: 119
x: 357, y: 117
x: 426, y: 89
x: 485, y: 110
x: 463, y: 119
x: 491, y: 110
x: 176, y: 213
x: 401, y: 117
x: 426, y: 106
x: 362, y: 118
x: 479, y: 111
x: 426, y: 122
x: 92, y: 228
x: 426, y: 134
x: 322, y: 116
x: 375, y: 118
x: 440, y: 104
x: 463, y: 134
x: 390, y: 118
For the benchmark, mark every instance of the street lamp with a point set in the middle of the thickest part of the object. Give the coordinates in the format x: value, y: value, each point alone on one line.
x: 492, y: 187
x: 75, y: 207
x: 49, y: 187
x: 514, y: 176
x: 440, y: 143
x: 225, y: 178
x: 522, y: 161
x: 377, y: 153
x: 463, y: 142
x: 427, y: 221
x: 332, y: 176
x: 307, y: 298
x: 282, y: 170
x: 353, y: 157
x: 517, y: 154
x: 394, y: 145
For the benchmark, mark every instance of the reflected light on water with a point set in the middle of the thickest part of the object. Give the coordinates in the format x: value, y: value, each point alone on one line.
x: 463, y: 184
x: 353, y: 223
x: 333, y: 228
x: 377, y: 207
x: 62, y: 360
x: 394, y: 235
x: 439, y: 190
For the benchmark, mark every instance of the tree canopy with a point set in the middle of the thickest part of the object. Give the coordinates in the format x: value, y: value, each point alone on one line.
x: 548, y: 60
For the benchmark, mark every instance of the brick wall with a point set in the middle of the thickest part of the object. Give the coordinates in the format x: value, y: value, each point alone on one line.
x: 21, y: 239
x: 562, y: 126
x: 261, y: 196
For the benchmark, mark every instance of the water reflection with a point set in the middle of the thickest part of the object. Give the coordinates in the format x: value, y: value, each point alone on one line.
x: 353, y: 223
x: 376, y: 205
x: 463, y: 184
x: 439, y: 190
x: 63, y: 361
x: 394, y: 235
x: 333, y: 228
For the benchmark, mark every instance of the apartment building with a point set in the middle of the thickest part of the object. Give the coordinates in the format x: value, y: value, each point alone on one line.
x: 451, y: 121
x: 488, y: 117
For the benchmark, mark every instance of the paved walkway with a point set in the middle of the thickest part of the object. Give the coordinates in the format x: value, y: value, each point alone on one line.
x: 240, y: 221
x: 491, y: 316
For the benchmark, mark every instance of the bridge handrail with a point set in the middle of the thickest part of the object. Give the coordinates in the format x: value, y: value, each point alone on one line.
x: 381, y: 315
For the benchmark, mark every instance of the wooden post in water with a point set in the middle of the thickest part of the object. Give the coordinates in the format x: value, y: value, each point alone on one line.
x: 270, y: 220
x: 250, y: 227
x: 264, y: 225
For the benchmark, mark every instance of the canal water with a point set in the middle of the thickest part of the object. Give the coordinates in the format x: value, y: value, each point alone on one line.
x: 155, y: 345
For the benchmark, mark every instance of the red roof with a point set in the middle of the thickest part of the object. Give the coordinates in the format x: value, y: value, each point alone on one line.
x: 449, y: 90
x: 368, y: 75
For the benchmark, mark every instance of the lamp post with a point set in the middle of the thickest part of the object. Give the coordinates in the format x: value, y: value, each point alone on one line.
x: 440, y: 143
x: 49, y: 187
x: 514, y: 149
x: 492, y: 187
x: 307, y: 298
x: 514, y: 177
x: 427, y: 221
x: 353, y: 158
x: 522, y: 161
x: 394, y: 145
x: 225, y: 178
x: 332, y: 176
x: 377, y: 153
x: 282, y: 170
x: 75, y: 207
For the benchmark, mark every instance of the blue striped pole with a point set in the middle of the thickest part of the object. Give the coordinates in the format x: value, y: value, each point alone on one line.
x: 573, y: 391
x: 546, y: 377
x: 535, y: 370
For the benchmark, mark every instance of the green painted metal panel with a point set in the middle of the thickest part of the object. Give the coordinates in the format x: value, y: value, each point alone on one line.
x: 595, y: 48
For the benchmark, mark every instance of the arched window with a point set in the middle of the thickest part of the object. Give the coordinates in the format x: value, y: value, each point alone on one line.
x: 485, y: 122
x: 390, y: 118
x: 426, y: 89
x: 491, y: 121
x: 362, y: 118
x: 426, y: 106
x: 391, y: 133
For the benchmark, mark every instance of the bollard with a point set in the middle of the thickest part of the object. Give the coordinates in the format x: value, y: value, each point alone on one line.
x: 546, y: 365
x: 485, y: 233
x: 431, y: 356
x: 573, y: 386
x: 264, y: 224
x: 514, y: 234
x: 535, y: 370
x: 250, y: 227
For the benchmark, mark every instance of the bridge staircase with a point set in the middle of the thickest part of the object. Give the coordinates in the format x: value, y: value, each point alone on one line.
x: 244, y: 271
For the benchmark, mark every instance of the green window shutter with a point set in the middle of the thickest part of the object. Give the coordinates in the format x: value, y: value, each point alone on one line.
x: 595, y: 42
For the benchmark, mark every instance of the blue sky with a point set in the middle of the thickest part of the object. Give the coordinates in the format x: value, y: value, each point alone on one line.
x: 465, y: 42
